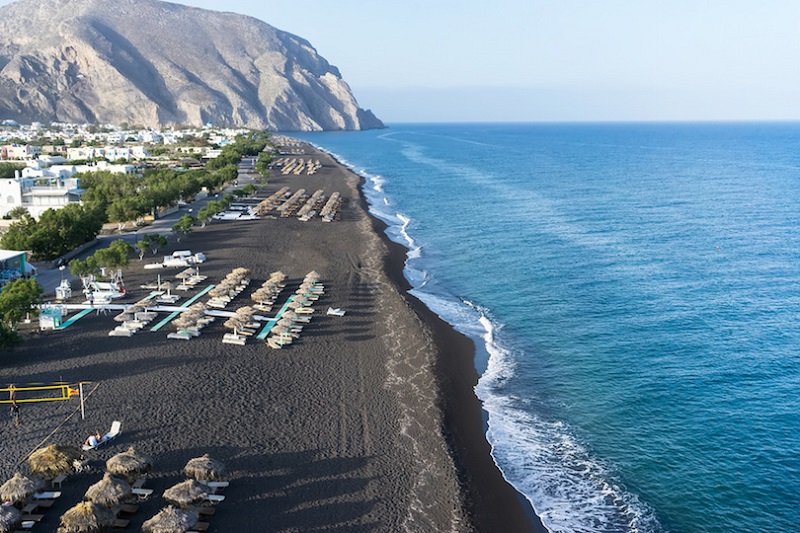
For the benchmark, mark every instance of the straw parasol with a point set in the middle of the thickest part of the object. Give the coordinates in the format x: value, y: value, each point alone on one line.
x: 9, y: 518
x: 186, y: 493
x: 204, y: 468
x: 129, y: 463
x: 53, y: 460
x: 109, y: 491
x: 19, y: 487
x: 170, y: 520
x: 86, y: 517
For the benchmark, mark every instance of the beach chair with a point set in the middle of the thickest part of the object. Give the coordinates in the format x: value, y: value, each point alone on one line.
x: 183, y: 335
x: 199, y: 527
x: 47, y: 495
x: 230, y: 338
x: 116, y: 429
x: 143, y: 494
x: 120, y: 523
x: 215, y: 498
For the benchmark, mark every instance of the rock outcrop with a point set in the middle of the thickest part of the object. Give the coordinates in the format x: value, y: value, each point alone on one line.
x: 155, y: 64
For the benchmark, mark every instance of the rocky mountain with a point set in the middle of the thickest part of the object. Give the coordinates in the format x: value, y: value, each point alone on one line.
x: 155, y: 63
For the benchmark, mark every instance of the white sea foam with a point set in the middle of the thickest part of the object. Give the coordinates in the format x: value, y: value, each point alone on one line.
x: 569, y: 489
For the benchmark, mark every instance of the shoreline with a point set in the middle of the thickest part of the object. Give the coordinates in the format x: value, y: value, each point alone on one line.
x: 366, y: 423
x: 490, y: 500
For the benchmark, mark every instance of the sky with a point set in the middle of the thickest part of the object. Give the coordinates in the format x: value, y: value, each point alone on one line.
x: 553, y: 60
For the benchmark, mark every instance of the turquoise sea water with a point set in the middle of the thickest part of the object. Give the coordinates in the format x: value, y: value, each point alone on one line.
x: 635, y: 290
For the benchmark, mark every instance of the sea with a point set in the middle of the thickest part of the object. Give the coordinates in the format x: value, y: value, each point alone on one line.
x: 634, y: 293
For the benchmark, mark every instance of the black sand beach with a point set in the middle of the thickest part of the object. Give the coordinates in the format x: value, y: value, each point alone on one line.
x: 367, y: 423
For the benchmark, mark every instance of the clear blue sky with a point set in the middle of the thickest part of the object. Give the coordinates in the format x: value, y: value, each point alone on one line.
x: 546, y: 60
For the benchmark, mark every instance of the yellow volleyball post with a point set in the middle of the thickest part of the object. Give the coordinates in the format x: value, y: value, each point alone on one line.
x: 54, y: 392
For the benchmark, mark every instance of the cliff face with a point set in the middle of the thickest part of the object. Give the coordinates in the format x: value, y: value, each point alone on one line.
x: 154, y: 63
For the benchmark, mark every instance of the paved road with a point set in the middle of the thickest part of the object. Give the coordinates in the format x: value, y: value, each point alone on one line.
x: 50, y: 278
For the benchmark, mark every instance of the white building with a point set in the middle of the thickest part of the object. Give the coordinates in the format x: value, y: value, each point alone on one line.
x: 38, y: 195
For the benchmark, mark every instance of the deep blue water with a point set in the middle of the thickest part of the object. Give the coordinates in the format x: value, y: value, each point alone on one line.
x: 637, y: 290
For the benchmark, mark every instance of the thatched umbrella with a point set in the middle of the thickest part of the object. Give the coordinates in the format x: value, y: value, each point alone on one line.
x: 9, y: 518
x: 129, y: 463
x: 204, y: 468
x: 125, y: 315
x: 277, y: 277
x: 170, y: 520
x: 186, y: 493
x: 86, y: 517
x: 109, y: 491
x: 184, y: 321
x: 53, y: 460
x: 19, y: 487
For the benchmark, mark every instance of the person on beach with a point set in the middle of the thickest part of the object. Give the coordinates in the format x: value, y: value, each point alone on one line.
x: 12, y: 393
x: 15, y: 412
x: 93, y: 440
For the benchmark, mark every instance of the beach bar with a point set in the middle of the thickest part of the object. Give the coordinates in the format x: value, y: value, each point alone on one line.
x: 13, y: 265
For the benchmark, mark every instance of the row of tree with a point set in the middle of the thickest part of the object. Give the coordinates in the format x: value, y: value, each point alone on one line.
x: 18, y: 299
x: 56, y: 232
x: 117, y: 255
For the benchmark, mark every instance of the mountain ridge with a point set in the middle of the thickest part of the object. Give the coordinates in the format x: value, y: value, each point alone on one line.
x: 156, y: 63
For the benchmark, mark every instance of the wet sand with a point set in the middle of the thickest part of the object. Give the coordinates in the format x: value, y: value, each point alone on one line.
x: 367, y: 423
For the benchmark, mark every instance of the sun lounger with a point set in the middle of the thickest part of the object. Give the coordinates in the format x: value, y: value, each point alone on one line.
x: 126, y: 508
x: 32, y: 517
x: 143, y: 494
x: 215, y: 498
x: 47, y: 495
x: 120, y: 331
x: 26, y: 525
x: 139, y: 483
x: 335, y: 312
x: 116, y: 429
x: 198, y: 527
x: 58, y: 480
x: 181, y: 336
x: 230, y: 338
x: 120, y: 523
x: 204, y: 510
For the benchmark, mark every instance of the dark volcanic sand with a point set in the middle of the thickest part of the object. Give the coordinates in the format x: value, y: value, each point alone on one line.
x: 367, y: 423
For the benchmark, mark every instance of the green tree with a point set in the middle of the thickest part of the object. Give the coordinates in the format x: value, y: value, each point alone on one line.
x: 18, y: 212
x: 157, y: 241
x: 18, y: 299
x: 7, y: 170
x: 142, y: 246
x: 183, y: 226
x: 115, y: 256
x: 249, y: 189
x: 18, y: 235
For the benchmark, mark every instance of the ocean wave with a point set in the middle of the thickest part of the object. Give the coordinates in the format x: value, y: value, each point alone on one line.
x: 568, y: 488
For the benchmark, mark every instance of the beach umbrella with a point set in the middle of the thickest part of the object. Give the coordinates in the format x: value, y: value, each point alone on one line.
x: 187, y: 493
x: 125, y: 315
x: 109, y: 491
x: 184, y: 321
x: 277, y: 329
x: 312, y: 276
x: 19, y: 487
x: 291, y: 315
x: 52, y: 461
x: 285, y: 322
x: 170, y: 520
x: 204, y: 468
x: 86, y: 517
x: 297, y: 303
x: 10, y: 516
x: 277, y: 277
x: 129, y: 463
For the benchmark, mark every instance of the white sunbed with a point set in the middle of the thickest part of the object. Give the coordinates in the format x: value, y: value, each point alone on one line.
x: 120, y: 331
x: 116, y: 429
x: 230, y: 338
x: 47, y: 495
x: 180, y: 335
x: 335, y: 311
